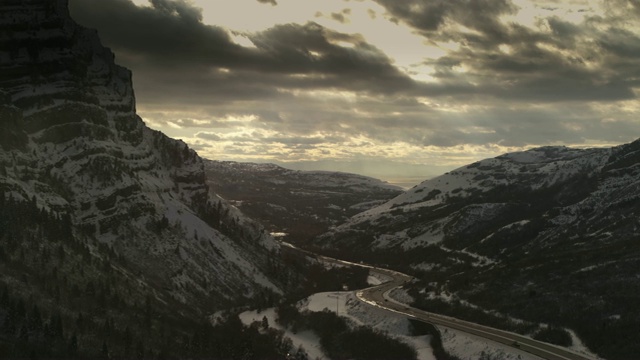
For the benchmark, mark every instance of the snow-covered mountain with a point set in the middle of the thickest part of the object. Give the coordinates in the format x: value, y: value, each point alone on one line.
x: 71, y: 143
x: 453, y: 205
x: 547, y: 235
x: 301, y: 204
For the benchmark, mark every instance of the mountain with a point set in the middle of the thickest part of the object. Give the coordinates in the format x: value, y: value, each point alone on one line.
x: 547, y: 235
x: 102, y: 218
x: 301, y: 204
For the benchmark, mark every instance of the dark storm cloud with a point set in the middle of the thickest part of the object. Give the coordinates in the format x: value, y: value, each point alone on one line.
x: 558, y: 61
x: 311, y: 49
x: 563, y: 29
x: 171, y: 35
x: 429, y: 15
x: 272, y: 2
x: 518, y: 85
x: 202, y: 86
x: 341, y: 16
x: 621, y: 42
x: 531, y: 72
x: 208, y: 136
x: 178, y: 7
x: 623, y: 8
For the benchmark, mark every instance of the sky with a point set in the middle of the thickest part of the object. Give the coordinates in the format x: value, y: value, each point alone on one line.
x: 387, y: 88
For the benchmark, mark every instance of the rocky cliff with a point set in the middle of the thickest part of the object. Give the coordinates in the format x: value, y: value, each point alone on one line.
x: 72, y: 144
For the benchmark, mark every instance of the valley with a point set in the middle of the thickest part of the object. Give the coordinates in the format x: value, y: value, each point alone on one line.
x: 300, y: 205
x: 519, y: 236
x: 379, y: 296
x: 117, y: 241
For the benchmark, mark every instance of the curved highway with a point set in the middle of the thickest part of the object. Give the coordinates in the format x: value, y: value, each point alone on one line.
x: 378, y: 296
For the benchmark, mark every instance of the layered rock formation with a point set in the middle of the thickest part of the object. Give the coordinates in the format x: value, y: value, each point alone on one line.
x: 72, y: 143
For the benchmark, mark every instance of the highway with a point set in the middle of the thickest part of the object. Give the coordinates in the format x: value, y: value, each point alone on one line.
x: 378, y: 296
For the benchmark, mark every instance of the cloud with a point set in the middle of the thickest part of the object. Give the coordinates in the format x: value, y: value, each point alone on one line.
x: 169, y: 33
x: 208, y: 136
x: 305, y: 91
x: 168, y: 46
x: 170, y: 36
x: 554, y: 61
x: 305, y: 140
x: 178, y: 8
x: 429, y: 16
x: 341, y: 17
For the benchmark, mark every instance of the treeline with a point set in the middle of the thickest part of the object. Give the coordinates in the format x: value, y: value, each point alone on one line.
x: 308, y: 276
x: 66, y: 296
x: 339, y: 341
x: 25, y: 332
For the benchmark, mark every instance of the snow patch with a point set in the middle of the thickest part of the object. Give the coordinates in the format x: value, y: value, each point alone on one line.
x: 347, y: 305
x: 308, y: 340
x: 578, y: 346
x: 373, y: 281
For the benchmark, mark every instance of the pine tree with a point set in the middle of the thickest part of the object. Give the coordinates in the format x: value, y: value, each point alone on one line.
x: 72, y: 349
x: 107, y: 328
x: 56, y: 326
x: 140, y: 350
x: 80, y: 322
x: 128, y: 339
x: 20, y: 310
x: 35, y: 320
x: 147, y: 312
x: 105, y: 351
x: 4, y: 296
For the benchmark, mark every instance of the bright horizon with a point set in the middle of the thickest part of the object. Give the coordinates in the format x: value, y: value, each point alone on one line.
x: 382, y: 88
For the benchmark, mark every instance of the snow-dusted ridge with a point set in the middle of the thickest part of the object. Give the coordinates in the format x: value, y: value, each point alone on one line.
x: 536, y: 168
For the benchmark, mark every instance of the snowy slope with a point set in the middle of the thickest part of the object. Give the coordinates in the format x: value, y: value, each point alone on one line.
x: 534, y: 169
x: 457, y: 201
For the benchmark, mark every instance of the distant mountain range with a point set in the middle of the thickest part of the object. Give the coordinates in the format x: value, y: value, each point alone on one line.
x: 548, y: 235
x: 298, y: 204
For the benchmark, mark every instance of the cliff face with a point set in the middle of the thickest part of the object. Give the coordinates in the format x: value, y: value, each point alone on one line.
x: 72, y: 143
x: 48, y: 61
